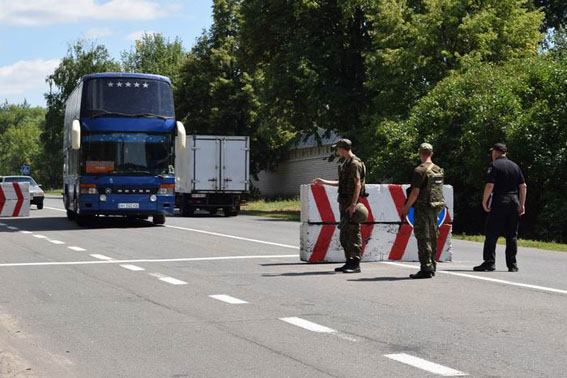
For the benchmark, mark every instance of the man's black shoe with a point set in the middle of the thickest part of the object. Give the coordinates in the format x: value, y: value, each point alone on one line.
x: 421, y: 274
x: 484, y: 267
x: 513, y: 268
x: 354, y: 267
x: 342, y: 268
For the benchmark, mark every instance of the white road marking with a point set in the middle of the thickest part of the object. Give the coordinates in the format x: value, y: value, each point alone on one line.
x: 306, y: 324
x: 425, y: 365
x: 101, y: 257
x: 54, y: 208
x: 170, y: 280
x: 58, y: 242
x: 227, y: 299
x: 133, y: 268
x: 2, y: 224
x: 12, y: 228
x: 40, y: 236
x: 217, y: 234
x: 77, y: 249
x: 233, y: 237
x: 483, y: 278
x: 189, y: 259
x: 26, y: 232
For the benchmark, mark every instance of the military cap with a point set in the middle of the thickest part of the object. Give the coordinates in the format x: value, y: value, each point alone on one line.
x: 343, y: 143
x: 499, y: 147
x: 426, y: 147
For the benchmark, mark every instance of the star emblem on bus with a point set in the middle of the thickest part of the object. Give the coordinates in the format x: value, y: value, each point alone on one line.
x: 128, y: 84
x: 136, y: 85
x: 145, y: 85
x: 110, y: 84
x: 119, y: 84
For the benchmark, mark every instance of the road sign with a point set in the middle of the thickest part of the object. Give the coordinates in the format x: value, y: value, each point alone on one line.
x: 25, y: 169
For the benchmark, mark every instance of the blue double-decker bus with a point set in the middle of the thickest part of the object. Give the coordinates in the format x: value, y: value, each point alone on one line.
x: 119, y: 141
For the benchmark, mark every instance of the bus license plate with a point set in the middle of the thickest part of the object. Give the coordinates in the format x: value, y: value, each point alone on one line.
x: 128, y: 205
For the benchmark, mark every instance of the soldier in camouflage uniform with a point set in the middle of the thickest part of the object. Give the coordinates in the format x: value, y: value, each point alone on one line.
x: 351, y: 187
x: 427, y: 195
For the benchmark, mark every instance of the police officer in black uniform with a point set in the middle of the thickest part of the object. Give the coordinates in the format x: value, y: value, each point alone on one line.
x: 504, y: 200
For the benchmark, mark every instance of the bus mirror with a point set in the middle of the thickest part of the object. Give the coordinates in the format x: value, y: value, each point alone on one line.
x: 76, y: 135
x: 181, y: 136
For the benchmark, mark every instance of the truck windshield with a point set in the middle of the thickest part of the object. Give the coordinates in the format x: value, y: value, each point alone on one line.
x: 127, y: 97
x: 127, y: 154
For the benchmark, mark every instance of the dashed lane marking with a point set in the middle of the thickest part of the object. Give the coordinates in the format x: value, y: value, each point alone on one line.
x: 39, y: 236
x: 77, y: 249
x: 189, y: 259
x: 26, y: 232
x: 306, y: 324
x: 422, y: 364
x: 101, y: 257
x: 227, y: 299
x: 170, y: 280
x: 483, y: 278
x: 12, y: 228
x: 133, y: 268
x: 58, y: 242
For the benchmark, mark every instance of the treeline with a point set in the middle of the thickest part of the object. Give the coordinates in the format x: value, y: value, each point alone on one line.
x: 389, y: 74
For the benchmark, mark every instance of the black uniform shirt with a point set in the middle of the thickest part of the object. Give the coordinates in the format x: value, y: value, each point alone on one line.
x: 505, y: 175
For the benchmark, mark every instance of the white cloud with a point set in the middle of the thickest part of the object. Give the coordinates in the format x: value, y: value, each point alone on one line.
x: 137, y: 35
x: 43, y: 12
x: 25, y: 78
x: 95, y: 33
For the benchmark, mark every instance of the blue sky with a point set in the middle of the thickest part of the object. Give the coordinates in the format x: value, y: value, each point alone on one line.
x: 35, y: 34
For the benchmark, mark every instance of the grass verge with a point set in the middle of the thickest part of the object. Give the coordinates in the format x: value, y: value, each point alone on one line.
x: 549, y: 246
x: 53, y: 192
x: 287, y: 210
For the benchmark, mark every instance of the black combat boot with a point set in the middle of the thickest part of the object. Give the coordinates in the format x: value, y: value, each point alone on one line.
x: 513, y: 268
x: 354, y: 267
x: 342, y: 268
x: 421, y: 274
x: 485, y: 267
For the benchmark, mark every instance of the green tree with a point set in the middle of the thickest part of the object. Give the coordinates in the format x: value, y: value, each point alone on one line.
x: 20, y: 128
x: 555, y: 13
x: 153, y: 53
x: 82, y: 58
x: 523, y: 103
x: 417, y: 43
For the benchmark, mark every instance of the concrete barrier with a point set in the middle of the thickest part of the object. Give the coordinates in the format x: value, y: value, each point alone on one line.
x: 14, y: 199
x: 385, y: 236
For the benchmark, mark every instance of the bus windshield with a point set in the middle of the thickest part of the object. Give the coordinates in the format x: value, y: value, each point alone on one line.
x: 127, y: 154
x: 127, y: 97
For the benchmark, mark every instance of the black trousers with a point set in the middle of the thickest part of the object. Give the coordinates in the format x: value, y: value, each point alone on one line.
x: 503, y: 220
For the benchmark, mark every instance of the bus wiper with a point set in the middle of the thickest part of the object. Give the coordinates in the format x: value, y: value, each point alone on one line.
x: 151, y: 115
x: 103, y: 113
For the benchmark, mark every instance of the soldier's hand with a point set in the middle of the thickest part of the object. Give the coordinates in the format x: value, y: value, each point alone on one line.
x: 403, y: 213
x: 485, y: 207
x: 317, y: 181
x: 521, y: 210
x: 350, y: 210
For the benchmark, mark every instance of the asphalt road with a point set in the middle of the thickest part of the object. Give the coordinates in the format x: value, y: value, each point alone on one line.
x: 135, y: 300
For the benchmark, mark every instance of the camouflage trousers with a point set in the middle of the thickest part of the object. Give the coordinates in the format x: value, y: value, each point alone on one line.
x: 350, y: 236
x: 426, y: 232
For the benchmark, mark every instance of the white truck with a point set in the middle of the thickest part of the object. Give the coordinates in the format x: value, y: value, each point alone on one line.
x: 212, y: 173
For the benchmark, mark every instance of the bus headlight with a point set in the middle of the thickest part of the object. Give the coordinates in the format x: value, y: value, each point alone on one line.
x: 102, y: 198
x: 153, y: 198
x: 166, y: 189
x: 88, y: 189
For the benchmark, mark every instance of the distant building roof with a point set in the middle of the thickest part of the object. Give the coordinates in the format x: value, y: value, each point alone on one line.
x: 327, y: 139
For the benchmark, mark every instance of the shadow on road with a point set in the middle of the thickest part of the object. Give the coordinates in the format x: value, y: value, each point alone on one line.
x: 299, y: 274
x: 380, y: 279
x: 63, y: 224
x: 295, y: 263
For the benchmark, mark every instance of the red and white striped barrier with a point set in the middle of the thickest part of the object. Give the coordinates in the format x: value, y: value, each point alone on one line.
x: 14, y: 199
x: 385, y: 236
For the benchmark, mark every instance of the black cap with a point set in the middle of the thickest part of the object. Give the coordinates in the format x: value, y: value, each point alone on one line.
x: 343, y: 143
x: 499, y: 147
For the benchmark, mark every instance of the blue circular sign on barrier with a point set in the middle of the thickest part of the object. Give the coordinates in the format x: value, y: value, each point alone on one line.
x: 440, y: 218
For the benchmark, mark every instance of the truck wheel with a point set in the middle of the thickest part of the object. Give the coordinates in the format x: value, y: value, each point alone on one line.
x: 230, y: 212
x: 40, y: 205
x: 158, y: 219
x: 187, y: 211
